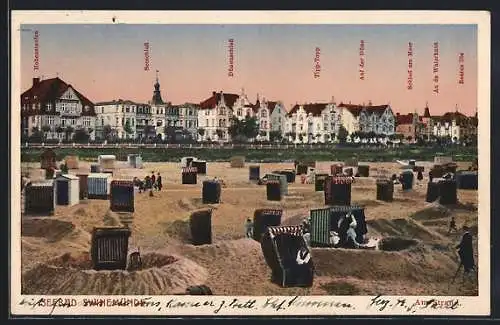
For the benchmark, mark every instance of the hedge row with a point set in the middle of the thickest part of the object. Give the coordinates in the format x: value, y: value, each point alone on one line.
x: 262, y: 155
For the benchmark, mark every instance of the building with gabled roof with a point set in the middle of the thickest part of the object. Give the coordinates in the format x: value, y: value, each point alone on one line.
x: 312, y: 123
x: 56, y: 108
x: 214, y: 116
x: 379, y: 119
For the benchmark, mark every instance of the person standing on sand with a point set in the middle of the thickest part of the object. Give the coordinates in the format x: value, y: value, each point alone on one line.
x: 158, y: 182
x: 465, y: 251
x: 249, y: 228
x: 153, y: 180
x: 453, y: 225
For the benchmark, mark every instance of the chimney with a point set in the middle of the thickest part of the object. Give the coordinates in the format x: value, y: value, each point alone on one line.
x: 397, y: 114
x: 213, y: 93
x: 36, y: 81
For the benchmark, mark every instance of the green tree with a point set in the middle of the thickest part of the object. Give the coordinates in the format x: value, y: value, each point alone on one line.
x: 275, y: 136
x: 36, y: 135
x: 81, y: 136
x: 68, y: 131
x: 149, y: 131
x: 128, y: 128
x: 220, y: 133
x: 235, y: 127
x: 342, y: 134
x: 201, y: 132
x: 107, y: 132
x: 242, y: 130
x: 45, y: 130
x: 250, y: 127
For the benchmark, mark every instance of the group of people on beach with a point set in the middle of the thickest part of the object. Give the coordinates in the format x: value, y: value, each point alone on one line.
x: 153, y: 182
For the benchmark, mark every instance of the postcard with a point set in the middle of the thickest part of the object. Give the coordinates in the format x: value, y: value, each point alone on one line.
x: 244, y: 163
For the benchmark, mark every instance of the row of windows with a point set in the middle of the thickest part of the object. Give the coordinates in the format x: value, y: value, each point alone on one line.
x: 51, y: 120
x: 132, y: 109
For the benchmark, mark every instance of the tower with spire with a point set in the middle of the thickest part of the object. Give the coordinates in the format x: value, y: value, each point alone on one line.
x: 157, y: 100
x: 159, y: 109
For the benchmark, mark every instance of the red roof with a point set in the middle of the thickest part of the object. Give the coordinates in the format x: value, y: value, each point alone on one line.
x: 314, y: 109
x: 354, y: 109
x: 49, y: 90
x: 404, y: 119
x: 460, y: 118
x: 212, y: 101
x: 271, y: 106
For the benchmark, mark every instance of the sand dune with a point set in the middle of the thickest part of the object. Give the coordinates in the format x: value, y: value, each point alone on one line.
x: 233, y: 264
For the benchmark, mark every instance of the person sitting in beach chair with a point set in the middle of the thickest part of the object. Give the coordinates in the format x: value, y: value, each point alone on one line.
x: 148, y: 185
x: 135, y: 261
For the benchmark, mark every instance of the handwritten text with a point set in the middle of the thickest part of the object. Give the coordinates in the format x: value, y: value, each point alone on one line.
x: 146, y: 56
x: 403, y: 304
x: 230, y: 70
x: 36, y: 59
x: 410, y: 66
x: 461, y: 68
x: 317, y: 66
x: 362, y: 60
x: 435, y: 67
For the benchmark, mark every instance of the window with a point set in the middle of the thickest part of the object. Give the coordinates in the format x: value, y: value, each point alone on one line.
x: 116, y: 122
x: 263, y: 113
x: 50, y: 120
x: 239, y: 112
x: 123, y: 121
x: 206, y: 124
x: 49, y: 106
x: 73, y: 121
x: 207, y: 112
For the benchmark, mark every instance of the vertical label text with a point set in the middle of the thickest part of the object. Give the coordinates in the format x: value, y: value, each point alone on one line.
x: 435, y: 67
x: 317, y: 65
x: 461, y: 68
x: 146, y: 56
x: 410, y: 66
x: 230, y: 46
x: 36, y: 58
x: 362, y: 60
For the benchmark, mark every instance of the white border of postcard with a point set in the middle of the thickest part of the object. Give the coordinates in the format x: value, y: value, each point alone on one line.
x: 209, y: 305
